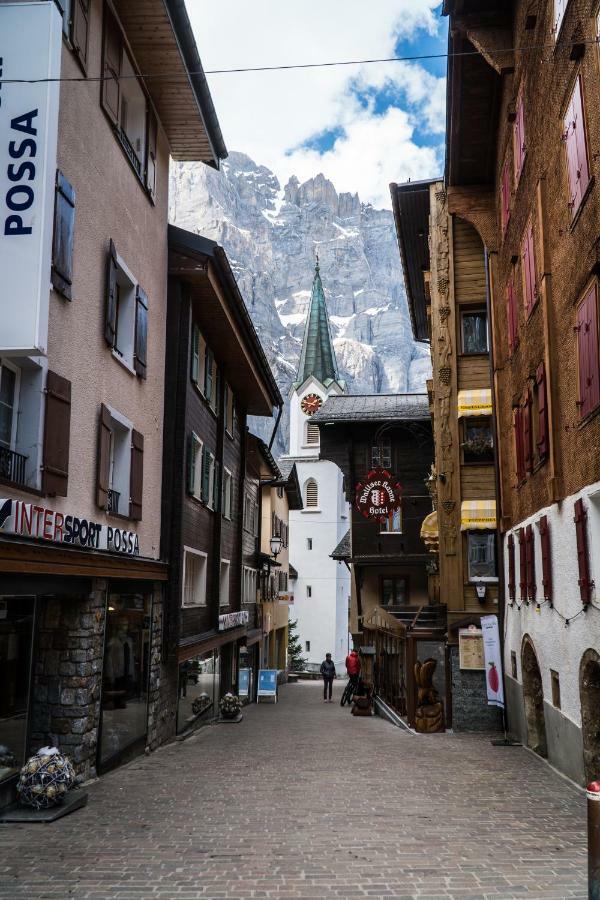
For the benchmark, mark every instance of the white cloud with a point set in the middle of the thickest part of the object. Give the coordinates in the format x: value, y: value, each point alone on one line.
x: 270, y: 115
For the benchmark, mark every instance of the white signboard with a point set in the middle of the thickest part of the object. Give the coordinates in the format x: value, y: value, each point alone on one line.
x: 233, y: 620
x: 493, y: 661
x: 30, y: 48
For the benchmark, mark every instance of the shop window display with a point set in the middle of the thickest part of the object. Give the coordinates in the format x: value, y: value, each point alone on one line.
x: 16, y: 634
x: 125, y: 674
x: 199, y: 679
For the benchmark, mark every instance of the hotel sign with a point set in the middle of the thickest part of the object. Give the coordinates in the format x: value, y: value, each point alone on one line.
x: 36, y: 521
x: 378, y: 494
x: 233, y: 620
x: 30, y: 49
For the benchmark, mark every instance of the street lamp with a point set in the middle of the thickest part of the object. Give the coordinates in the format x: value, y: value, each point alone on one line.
x: 276, y: 545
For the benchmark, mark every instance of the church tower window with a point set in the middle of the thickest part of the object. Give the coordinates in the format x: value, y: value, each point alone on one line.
x: 312, y: 434
x: 312, y: 494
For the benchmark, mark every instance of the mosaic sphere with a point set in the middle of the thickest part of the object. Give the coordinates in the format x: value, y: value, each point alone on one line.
x: 45, y: 779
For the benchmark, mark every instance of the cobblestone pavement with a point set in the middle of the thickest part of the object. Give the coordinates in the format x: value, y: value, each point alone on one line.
x: 302, y: 800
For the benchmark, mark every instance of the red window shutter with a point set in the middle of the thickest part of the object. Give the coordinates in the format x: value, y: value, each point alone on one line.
x: 530, y: 554
x: 527, y: 433
x: 585, y: 585
x: 542, y: 444
x: 519, y: 445
x: 511, y: 568
x: 544, y: 529
x: 529, y: 279
x: 512, y: 316
x: 505, y: 195
x: 583, y: 171
x: 587, y: 353
x: 519, y: 138
x: 522, y: 564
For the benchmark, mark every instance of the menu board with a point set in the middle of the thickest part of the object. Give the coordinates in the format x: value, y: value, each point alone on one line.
x: 470, y: 649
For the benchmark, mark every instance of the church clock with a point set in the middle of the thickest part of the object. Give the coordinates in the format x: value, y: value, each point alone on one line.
x: 310, y: 404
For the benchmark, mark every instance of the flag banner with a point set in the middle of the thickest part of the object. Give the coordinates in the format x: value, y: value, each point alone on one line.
x: 493, y: 661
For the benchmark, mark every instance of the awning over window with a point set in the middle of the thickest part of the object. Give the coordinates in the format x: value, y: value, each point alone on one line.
x: 475, y: 403
x: 429, y: 532
x: 477, y: 514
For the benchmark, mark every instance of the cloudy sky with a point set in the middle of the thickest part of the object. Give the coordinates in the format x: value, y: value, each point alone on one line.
x: 362, y: 126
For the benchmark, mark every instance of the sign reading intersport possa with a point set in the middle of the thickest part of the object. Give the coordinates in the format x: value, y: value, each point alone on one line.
x: 378, y: 494
x: 30, y: 50
x: 33, y: 520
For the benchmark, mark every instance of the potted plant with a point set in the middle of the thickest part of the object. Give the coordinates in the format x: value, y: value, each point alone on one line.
x: 230, y: 706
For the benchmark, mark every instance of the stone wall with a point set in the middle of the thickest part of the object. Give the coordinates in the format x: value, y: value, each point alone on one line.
x: 162, y: 699
x: 470, y: 711
x: 67, y: 676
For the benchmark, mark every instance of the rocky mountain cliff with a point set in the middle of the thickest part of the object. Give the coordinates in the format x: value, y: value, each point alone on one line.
x: 272, y: 234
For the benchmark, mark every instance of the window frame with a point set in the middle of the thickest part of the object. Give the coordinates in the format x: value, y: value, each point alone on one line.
x: 474, y: 311
x: 492, y: 541
x: 582, y: 190
x: 8, y: 364
x: 529, y: 280
x: 63, y: 233
x: 224, y: 593
x: 393, y: 531
x: 470, y: 421
x: 584, y: 411
x: 519, y: 153
x: 310, y: 506
x: 311, y: 429
x: 196, y: 451
x: 198, y: 554
x: 380, y: 453
x: 227, y: 496
x: 405, y: 579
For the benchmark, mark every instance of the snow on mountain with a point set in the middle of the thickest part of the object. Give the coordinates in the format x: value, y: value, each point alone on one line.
x: 272, y: 234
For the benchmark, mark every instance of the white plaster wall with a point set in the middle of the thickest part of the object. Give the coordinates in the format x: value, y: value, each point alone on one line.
x: 557, y: 646
x: 323, y: 617
x: 298, y: 419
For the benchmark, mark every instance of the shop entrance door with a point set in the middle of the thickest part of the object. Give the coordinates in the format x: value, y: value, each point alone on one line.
x: 427, y: 678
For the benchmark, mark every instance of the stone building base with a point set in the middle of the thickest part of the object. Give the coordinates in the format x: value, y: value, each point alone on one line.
x: 470, y: 710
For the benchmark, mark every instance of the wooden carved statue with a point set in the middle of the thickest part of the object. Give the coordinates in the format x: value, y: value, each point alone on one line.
x: 429, y: 715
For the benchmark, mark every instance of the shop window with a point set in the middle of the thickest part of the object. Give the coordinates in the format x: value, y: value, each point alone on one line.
x: 125, y: 676
x: 226, y: 504
x: 198, y: 691
x: 481, y: 556
x: 478, y: 441
x: 381, y: 455
x: 16, y: 638
x: 392, y: 524
x: 194, y: 578
x: 126, y: 318
x: 224, y: 583
x: 474, y: 331
x: 394, y: 590
x: 555, y: 684
x: 311, y: 494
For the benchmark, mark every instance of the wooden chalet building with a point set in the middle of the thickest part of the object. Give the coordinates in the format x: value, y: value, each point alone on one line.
x: 444, y: 265
x: 216, y: 376
x: 522, y: 167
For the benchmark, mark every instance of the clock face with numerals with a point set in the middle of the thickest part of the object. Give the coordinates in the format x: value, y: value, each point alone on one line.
x: 310, y: 404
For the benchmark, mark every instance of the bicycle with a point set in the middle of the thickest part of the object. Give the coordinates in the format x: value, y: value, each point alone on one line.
x: 350, y: 690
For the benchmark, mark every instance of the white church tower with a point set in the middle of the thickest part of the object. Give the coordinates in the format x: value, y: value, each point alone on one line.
x: 322, y: 587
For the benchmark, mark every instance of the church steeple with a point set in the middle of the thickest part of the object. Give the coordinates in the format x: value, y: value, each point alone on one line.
x: 318, y: 356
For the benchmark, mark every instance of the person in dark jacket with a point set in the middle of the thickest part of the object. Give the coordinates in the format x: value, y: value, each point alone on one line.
x: 328, y: 673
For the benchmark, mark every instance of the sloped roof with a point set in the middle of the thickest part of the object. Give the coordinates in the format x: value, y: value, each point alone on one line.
x: 343, y: 549
x: 318, y: 356
x: 373, y: 408
x: 410, y: 203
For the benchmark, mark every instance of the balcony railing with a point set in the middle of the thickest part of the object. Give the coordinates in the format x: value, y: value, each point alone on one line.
x: 128, y: 147
x: 112, y: 501
x: 12, y: 465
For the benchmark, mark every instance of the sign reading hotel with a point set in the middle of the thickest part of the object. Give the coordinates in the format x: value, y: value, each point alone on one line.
x: 233, y: 620
x: 35, y: 521
x: 378, y: 494
x: 30, y: 48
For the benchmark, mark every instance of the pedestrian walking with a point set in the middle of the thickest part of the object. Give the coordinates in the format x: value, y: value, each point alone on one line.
x: 328, y: 672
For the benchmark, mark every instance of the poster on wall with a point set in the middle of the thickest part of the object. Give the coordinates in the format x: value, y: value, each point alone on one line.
x: 378, y: 494
x: 470, y: 648
x: 30, y: 51
x: 493, y: 661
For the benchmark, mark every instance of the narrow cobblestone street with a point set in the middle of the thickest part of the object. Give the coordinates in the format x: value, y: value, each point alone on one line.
x: 282, y: 806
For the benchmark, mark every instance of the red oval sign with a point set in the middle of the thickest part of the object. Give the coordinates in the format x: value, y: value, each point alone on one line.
x: 378, y: 494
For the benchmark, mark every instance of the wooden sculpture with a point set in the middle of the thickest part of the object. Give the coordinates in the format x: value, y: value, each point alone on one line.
x: 429, y: 716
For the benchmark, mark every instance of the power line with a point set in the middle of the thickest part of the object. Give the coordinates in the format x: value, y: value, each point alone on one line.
x: 178, y: 76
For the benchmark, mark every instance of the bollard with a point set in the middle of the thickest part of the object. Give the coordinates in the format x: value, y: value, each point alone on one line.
x: 593, y: 813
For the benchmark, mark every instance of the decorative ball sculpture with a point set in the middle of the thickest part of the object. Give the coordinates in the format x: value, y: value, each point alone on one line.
x: 45, y: 779
x: 230, y: 706
x: 201, y: 703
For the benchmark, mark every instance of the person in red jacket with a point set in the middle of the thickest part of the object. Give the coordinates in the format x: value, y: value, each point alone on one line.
x: 353, y: 666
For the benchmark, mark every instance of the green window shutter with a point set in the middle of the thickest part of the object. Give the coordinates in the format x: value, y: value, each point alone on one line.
x: 206, y: 455
x: 208, y: 375
x: 192, y: 449
x: 216, y: 487
x: 195, y: 368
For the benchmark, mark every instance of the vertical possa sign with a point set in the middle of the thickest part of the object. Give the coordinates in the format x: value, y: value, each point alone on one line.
x: 30, y: 49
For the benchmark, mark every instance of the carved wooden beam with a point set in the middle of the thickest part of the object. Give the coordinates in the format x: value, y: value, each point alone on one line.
x: 477, y: 206
x: 493, y: 44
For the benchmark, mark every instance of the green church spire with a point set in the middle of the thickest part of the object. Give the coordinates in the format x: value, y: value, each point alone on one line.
x: 318, y: 356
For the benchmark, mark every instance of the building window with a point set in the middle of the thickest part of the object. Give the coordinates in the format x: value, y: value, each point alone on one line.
x: 574, y: 135
x: 474, y: 331
x: 559, y: 9
x: 555, y: 683
x: 530, y: 290
x: 505, y: 196
x: 312, y: 494
x: 309, y: 543
x: 512, y: 317
x: 208, y: 478
x: 119, y: 483
x: 481, y: 555
x: 25, y: 388
x: 126, y: 321
x: 312, y: 434
x: 250, y: 514
x: 308, y: 590
x: 381, y: 455
x: 195, y: 449
x: 127, y: 106
x: 394, y: 590
x: 478, y: 441
x: 307, y: 646
x: 198, y: 689
x: 194, y: 578
x: 519, y: 137
x: 224, y: 583
x: 76, y: 15
x: 62, y: 240
x: 513, y: 664
x: 198, y: 358
x: 587, y: 353
x: 229, y: 411
x: 249, y: 586
x: 280, y: 492
x: 393, y: 523
x: 226, y: 505
x: 10, y: 377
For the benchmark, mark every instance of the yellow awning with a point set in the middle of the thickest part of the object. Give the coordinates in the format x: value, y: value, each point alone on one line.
x: 429, y: 529
x: 477, y: 514
x: 475, y: 403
